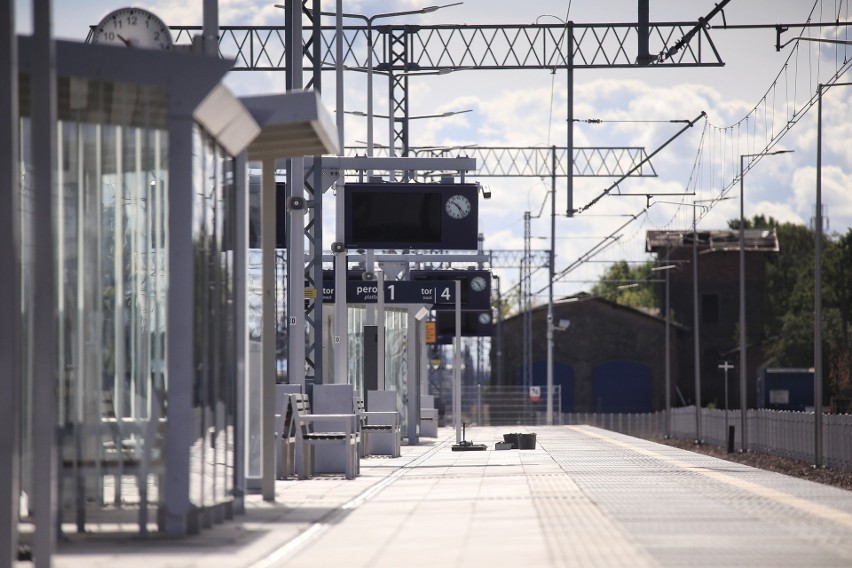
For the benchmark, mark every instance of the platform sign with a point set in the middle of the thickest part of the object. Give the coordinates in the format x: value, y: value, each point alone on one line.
x: 475, y: 286
x: 535, y: 394
x: 396, y: 292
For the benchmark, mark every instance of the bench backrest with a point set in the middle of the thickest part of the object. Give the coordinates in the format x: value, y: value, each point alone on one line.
x: 360, y: 408
x: 299, y: 404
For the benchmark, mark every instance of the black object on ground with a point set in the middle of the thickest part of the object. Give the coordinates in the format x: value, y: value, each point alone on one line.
x: 520, y: 441
x: 526, y: 441
x: 465, y: 446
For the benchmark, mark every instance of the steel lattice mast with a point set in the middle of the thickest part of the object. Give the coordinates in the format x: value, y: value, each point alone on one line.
x: 403, y: 49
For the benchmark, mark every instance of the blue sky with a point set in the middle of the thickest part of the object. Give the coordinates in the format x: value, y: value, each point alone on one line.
x: 528, y: 108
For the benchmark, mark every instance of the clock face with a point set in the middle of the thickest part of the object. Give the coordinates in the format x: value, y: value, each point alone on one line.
x: 478, y: 284
x: 457, y: 206
x: 484, y: 318
x: 133, y: 27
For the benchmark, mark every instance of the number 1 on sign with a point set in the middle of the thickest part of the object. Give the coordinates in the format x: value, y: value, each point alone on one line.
x: 391, y: 289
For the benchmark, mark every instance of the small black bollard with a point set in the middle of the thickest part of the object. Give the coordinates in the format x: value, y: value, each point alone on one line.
x: 731, y: 430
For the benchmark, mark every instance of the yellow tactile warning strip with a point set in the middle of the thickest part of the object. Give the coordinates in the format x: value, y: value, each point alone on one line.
x: 809, y: 507
x: 578, y: 533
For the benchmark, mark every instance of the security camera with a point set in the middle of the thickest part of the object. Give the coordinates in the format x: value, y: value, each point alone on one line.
x: 486, y: 192
x: 295, y: 203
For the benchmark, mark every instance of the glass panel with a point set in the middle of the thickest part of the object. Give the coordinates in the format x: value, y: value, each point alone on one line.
x: 111, y: 290
x: 112, y: 259
x: 27, y: 305
x: 215, y: 343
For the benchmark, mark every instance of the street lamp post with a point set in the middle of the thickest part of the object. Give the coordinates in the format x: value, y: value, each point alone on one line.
x: 695, y: 316
x: 369, y: 21
x: 667, y: 267
x: 551, y: 275
x: 743, y: 358
x: 697, y: 327
x: 340, y: 260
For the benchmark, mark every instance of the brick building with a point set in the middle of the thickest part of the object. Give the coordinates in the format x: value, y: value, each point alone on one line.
x: 611, y: 358
x: 718, y: 255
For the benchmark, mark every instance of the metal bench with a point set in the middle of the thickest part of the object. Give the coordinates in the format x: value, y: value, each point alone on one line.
x: 390, y: 425
x: 308, y: 438
x: 428, y: 417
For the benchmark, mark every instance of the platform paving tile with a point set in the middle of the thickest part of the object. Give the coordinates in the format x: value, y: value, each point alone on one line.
x: 584, y: 497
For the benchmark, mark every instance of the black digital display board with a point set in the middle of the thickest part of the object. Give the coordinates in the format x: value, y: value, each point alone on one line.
x: 474, y: 323
x: 411, y: 216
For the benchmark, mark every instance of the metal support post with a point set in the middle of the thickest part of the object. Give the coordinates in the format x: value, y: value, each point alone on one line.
x: 696, y: 326
x: 10, y: 294
x: 551, y: 275
x: 499, y: 333
x: 179, y: 510
x: 569, y: 153
x: 269, y: 365
x: 341, y: 314
x: 457, y: 359
x: 818, y: 290
x: 241, y: 224
x: 668, y: 358
x: 210, y: 29
x: 743, y: 328
x: 743, y: 346
x: 380, y: 329
x: 45, y: 324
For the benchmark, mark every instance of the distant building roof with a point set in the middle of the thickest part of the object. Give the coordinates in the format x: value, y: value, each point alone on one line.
x: 760, y: 240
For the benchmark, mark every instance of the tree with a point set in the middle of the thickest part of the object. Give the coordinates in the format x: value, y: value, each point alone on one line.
x: 789, y: 302
x: 629, y: 286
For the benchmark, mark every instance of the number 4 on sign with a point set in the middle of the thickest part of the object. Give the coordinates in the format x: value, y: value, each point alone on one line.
x: 446, y: 294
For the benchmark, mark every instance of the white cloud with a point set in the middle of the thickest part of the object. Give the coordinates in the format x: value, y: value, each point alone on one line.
x: 837, y: 206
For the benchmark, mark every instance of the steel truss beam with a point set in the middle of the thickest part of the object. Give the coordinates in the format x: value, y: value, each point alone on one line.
x: 534, y: 161
x: 516, y: 258
x: 442, y: 47
x: 406, y: 49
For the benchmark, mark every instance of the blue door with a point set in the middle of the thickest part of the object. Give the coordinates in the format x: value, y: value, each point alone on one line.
x: 621, y: 386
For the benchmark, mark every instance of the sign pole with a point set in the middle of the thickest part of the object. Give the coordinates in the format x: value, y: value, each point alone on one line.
x: 457, y: 366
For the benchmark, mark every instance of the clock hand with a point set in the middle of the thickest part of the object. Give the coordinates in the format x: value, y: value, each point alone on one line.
x: 126, y: 41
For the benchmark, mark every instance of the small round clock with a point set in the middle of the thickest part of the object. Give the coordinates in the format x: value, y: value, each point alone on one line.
x: 478, y: 284
x: 133, y: 27
x: 457, y: 206
x: 484, y: 318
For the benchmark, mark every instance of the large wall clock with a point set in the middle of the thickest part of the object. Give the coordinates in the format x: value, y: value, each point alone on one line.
x: 133, y: 27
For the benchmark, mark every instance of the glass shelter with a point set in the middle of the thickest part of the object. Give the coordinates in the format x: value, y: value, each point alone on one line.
x: 150, y: 233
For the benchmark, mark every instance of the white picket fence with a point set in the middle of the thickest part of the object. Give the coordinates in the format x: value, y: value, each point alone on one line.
x: 780, y: 433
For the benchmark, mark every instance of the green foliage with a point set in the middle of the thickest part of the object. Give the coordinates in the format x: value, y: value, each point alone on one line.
x: 629, y: 286
x: 788, y: 299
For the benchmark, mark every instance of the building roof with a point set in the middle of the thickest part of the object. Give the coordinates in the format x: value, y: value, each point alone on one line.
x: 583, y: 297
x: 759, y: 240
